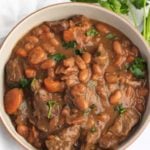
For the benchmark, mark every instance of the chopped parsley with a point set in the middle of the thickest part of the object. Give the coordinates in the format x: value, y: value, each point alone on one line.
x: 57, y: 57
x: 111, y: 36
x: 92, y: 32
x: 51, y: 104
x: 78, y: 52
x: 93, y: 129
x: 71, y: 44
x: 138, y: 67
x: 120, y: 109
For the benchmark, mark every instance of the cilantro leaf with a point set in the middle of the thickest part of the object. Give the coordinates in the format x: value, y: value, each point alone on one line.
x: 71, y: 44
x: 57, y: 57
x: 138, y: 3
x: 138, y: 67
x: 51, y: 104
x: 92, y: 32
x: 120, y: 109
x: 111, y: 36
x: 78, y: 52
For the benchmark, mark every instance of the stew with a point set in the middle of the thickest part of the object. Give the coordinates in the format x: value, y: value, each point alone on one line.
x: 75, y: 84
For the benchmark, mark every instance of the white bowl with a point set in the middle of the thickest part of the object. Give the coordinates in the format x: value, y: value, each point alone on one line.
x: 60, y: 11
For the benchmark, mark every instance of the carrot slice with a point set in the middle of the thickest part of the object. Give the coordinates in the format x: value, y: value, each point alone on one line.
x: 13, y: 99
x: 53, y: 86
x: 68, y: 35
x: 30, y: 73
x: 21, y: 52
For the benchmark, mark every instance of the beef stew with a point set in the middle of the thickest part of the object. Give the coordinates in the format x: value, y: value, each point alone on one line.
x: 75, y: 84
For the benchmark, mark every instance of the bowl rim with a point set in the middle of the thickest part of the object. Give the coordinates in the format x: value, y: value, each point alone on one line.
x: 145, y: 123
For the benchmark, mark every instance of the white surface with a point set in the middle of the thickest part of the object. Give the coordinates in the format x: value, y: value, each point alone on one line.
x: 9, y: 16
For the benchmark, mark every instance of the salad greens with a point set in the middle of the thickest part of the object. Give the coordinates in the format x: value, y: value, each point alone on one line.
x: 124, y: 7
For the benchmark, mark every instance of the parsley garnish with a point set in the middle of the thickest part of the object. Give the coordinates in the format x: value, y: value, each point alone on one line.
x: 93, y: 129
x: 71, y: 44
x: 137, y: 68
x: 120, y: 109
x: 78, y: 52
x: 92, y: 32
x: 51, y: 104
x: 57, y: 57
x: 111, y: 36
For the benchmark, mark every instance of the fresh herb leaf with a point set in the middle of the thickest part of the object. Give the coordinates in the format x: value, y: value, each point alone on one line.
x: 78, y: 52
x: 138, y: 3
x: 57, y: 57
x: 87, y: 1
x: 120, y: 109
x: 93, y: 129
x: 24, y: 83
x: 51, y: 104
x: 138, y: 67
x: 111, y: 36
x: 118, y: 6
x: 92, y: 32
x: 71, y: 44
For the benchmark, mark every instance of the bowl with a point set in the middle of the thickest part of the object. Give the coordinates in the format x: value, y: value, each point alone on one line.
x: 60, y: 11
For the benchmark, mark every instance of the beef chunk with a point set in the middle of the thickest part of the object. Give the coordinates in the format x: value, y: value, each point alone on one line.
x: 14, y: 71
x: 65, y: 140
x: 120, y: 129
x: 58, y: 26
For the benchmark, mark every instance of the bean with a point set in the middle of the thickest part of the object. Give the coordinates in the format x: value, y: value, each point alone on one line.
x: 53, y: 86
x: 48, y: 64
x: 84, y: 75
x: 81, y: 103
x: 80, y: 62
x: 90, y: 123
x: 130, y: 59
x: 118, y: 48
x: 135, y: 51
x: 13, y: 100
x: 37, y: 55
x: 68, y: 35
x: 29, y: 46
x: 21, y: 52
x: 37, y: 31
x: 103, y: 117
x: 76, y: 120
x: 115, y: 97
x: 86, y: 57
x: 49, y: 48
x: 102, y: 28
x: 30, y: 73
x: 55, y: 42
x: 96, y: 69
x: 69, y: 62
x: 32, y: 39
x: 111, y: 78
x: 78, y: 89
x: 23, y: 130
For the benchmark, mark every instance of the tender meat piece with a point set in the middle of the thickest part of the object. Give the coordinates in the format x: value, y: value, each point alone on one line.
x: 120, y: 129
x: 65, y: 140
x: 58, y: 26
x: 76, y: 20
x: 124, y: 123
x: 14, y: 70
